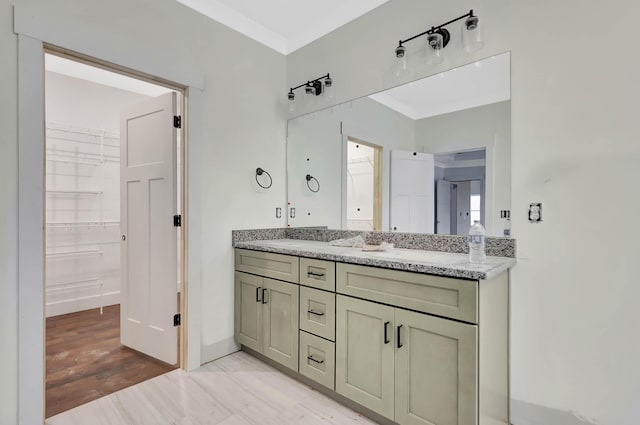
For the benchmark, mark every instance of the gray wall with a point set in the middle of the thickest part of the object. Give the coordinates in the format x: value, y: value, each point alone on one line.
x: 574, y: 109
x: 240, y: 126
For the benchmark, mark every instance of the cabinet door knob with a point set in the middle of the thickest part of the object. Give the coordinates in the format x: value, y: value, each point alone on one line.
x: 386, y: 332
x: 264, y: 296
x: 399, y: 341
x: 258, y: 294
x: 315, y: 312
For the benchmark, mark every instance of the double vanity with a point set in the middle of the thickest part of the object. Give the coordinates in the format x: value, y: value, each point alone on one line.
x: 407, y: 336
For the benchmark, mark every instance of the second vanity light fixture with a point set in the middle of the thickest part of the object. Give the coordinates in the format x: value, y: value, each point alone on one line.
x: 438, y: 38
x: 319, y: 86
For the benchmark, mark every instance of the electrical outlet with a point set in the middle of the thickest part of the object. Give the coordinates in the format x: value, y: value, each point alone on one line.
x: 535, y: 212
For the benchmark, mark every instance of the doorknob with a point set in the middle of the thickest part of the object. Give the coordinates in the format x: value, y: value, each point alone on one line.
x: 124, y: 238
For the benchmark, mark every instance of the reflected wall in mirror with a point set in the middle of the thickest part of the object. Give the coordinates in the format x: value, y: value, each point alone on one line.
x: 430, y: 156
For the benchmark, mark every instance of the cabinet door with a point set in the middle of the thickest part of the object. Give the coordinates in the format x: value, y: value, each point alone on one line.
x: 280, y: 309
x: 364, y: 358
x: 248, y: 310
x: 436, y: 371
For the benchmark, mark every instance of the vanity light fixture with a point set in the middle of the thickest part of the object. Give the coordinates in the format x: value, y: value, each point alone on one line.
x: 438, y: 38
x: 319, y: 86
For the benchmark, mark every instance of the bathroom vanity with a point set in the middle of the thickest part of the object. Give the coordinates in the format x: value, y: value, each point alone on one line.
x: 408, y: 335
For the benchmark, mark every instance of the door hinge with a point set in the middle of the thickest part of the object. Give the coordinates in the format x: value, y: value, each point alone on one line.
x: 176, y: 320
x: 177, y: 121
x: 177, y: 220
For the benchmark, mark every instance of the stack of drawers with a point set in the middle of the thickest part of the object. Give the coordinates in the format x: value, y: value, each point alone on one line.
x: 318, y: 320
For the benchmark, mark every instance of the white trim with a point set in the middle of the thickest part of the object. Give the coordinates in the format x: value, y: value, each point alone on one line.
x: 316, y: 27
x: 239, y: 22
x: 31, y: 136
x: 25, y: 22
x: 85, y: 303
x: 31, y: 352
x: 219, y: 349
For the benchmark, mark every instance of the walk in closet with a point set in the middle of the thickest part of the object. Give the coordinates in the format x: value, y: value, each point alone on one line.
x: 82, y: 218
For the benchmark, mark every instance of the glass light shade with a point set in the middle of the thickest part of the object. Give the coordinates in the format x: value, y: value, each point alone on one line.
x: 472, y: 35
x: 400, y: 66
x: 434, y: 49
x: 292, y: 106
x: 328, y: 91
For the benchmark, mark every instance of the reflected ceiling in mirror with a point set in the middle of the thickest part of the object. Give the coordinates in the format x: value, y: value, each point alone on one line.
x: 429, y: 156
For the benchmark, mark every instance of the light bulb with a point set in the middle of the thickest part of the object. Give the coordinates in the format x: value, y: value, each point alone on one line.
x: 434, y: 48
x: 471, y: 35
x: 328, y: 89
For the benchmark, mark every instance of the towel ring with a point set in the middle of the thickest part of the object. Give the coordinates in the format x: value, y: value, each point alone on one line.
x: 309, y: 177
x: 259, y: 172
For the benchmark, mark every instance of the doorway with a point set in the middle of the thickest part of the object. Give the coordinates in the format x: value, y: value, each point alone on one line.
x: 364, y: 186
x: 460, y: 191
x: 113, y: 175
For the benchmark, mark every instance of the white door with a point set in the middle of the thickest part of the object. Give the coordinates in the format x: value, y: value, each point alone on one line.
x: 412, y: 192
x: 464, y: 208
x: 443, y: 207
x: 148, y: 193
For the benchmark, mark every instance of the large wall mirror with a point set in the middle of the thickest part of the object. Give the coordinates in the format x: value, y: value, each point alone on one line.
x: 430, y: 156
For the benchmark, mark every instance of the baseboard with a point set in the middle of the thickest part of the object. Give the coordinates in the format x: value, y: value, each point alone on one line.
x: 81, y: 304
x: 209, y: 353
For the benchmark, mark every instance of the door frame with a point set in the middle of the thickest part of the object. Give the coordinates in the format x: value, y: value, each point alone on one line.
x: 377, y: 180
x: 31, y: 213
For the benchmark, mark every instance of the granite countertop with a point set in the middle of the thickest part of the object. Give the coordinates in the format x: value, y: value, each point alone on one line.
x: 414, y: 260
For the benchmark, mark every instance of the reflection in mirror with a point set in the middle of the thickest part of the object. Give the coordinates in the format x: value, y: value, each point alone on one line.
x: 364, y: 192
x: 430, y: 156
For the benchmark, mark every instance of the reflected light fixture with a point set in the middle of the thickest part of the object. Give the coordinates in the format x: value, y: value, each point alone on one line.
x: 438, y: 38
x: 316, y: 87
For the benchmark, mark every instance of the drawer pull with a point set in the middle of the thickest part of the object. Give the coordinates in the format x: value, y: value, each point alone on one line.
x: 315, y: 312
x: 314, y: 360
x: 264, y: 298
x: 399, y: 341
x: 386, y: 332
x: 310, y: 274
x: 258, y: 294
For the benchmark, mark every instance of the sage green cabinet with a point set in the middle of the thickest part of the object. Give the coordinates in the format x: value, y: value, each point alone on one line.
x: 248, y: 310
x: 266, y: 317
x: 364, y: 358
x: 412, y: 368
x: 435, y: 370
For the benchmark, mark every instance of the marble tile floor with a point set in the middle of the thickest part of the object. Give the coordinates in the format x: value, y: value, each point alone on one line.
x: 235, y: 390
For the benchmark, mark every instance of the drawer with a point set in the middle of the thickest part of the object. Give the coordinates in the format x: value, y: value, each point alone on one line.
x: 317, y: 359
x: 318, y: 274
x: 447, y: 297
x: 276, y: 266
x: 318, y: 312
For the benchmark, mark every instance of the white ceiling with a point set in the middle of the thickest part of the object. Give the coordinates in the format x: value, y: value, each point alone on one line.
x: 480, y: 83
x: 79, y: 70
x: 283, y: 25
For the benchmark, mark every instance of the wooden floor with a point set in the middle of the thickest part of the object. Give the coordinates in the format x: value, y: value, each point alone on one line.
x: 85, y: 360
x: 235, y: 390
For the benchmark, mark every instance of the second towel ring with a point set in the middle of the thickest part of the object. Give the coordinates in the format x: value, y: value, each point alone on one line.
x: 309, y: 177
x: 259, y: 172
